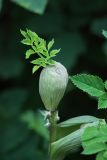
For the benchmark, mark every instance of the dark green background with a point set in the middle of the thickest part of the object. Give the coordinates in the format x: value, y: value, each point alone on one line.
x: 77, y: 27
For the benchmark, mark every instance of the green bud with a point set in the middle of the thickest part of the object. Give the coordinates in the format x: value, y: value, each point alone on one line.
x: 52, y: 84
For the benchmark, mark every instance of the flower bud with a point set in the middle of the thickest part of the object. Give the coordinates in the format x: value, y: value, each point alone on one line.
x: 52, y: 84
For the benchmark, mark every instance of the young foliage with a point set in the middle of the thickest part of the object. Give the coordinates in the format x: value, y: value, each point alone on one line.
x: 40, y: 48
x: 94, y: 140
x: 93, y: 85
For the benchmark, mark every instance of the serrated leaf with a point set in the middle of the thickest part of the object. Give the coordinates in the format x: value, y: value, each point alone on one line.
x: 105, y: 84
x: 35, y: 68
x: 102, y: 102
x: 93, y: 85
x: 104, y: 33
x: 50, y: 44
x: 54, y: 52
x: 29, y: 53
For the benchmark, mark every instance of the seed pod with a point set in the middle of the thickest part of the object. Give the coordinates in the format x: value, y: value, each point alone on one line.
x: 52, y: 84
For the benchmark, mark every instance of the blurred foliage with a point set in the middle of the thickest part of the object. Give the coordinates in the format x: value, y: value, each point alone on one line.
x: 36, y: 6
x: 76, y: 26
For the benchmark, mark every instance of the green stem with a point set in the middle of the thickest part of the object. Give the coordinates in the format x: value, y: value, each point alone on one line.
x: 53, y: 125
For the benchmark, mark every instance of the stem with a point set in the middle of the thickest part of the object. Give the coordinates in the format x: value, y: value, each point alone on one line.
x: 53, y: 125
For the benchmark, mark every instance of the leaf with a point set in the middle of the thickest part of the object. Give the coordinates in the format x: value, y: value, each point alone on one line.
x: 78, y: 120
x: 33, y: 119
x: 104, y: 33
x: 33, y: 36
x: 94, y: 139
x: 37, y: 61
x: 100, y: 156
x: 24, y: 33
x: 69, y: 136
x: 73, y: 124
x: 51, y: 62
x: 105, y: 154
x: 94, y: 148
x: 50, y: 44
x: 68, y: 144
x: 105, y: 84
x: 36, y: 6
x: 29, y: 53
x: 54, y: 52
x: 102, y: 102
x: 35, y: 68
x: 93, y: 85
x: 26, y: 42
